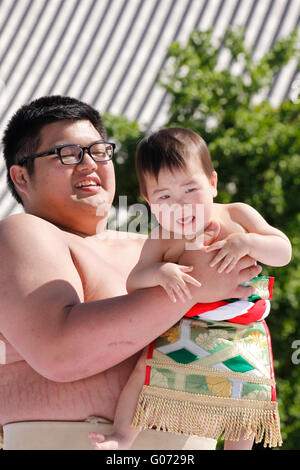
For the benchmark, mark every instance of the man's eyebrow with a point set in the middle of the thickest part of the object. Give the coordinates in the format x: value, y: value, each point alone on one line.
x: 55, y: 145
x: 61, y: 144
x: 67, y: 144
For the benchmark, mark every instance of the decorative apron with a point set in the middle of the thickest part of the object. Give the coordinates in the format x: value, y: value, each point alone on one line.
x: 214, y: 378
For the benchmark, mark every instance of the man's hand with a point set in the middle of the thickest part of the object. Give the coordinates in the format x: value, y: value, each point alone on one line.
x: 219, y: 286
x: 245, y: 270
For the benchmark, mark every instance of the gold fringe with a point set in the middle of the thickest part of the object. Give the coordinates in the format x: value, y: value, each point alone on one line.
x: 208, y: 416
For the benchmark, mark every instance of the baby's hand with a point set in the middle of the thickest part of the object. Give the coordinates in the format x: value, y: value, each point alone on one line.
x: 173, y: 278
x: 230, y: 251
x: 211, y: 232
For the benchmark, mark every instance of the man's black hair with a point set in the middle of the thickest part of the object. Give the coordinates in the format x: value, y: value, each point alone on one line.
x: 22, y: 134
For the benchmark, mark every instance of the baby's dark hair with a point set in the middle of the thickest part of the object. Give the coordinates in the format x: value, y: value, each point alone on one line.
x: 22, y: 135
x: 170, y: 148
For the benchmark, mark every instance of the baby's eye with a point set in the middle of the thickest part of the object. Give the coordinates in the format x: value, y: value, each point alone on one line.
x: 189, y: 190
x: 165, y: 196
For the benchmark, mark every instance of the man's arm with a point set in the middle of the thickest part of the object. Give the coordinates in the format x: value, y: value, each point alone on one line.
x: 44, y: 317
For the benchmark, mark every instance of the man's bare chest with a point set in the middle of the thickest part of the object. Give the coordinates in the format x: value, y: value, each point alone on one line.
x: 103, y: 266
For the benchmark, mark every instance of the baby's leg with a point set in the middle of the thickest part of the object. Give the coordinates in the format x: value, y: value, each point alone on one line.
x: 241, y: 444
x: 124, y: 434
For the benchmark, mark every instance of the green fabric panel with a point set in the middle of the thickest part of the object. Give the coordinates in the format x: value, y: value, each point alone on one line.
x: 256, y: 392
x: 238, y: 364
x: 183, y: 356
x: 196, y: 384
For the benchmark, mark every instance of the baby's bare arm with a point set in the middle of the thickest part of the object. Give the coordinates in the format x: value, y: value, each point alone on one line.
x: 267, y: 244
x: 145, y: 273
x: 143, y: 276
x: 260, y: 240
x: 151, y: 270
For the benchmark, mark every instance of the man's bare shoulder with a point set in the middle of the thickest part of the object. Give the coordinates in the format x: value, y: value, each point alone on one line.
x: 19, y: 221
x: 34, y: 254
x: 24, y: 231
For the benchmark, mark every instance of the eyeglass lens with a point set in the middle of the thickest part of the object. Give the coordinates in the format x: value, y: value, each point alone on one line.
x: 99, y: 151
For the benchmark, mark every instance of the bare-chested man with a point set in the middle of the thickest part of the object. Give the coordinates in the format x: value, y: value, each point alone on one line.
x: 69, y: 333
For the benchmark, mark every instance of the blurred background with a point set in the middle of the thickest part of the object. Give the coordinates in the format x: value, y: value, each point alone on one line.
x: 229, y: 69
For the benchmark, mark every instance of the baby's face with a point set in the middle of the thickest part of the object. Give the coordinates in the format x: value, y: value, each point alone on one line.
x: 182, y: 200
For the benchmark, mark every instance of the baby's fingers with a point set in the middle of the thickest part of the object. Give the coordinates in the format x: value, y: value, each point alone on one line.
x: 171, y: 294
x: 225, y: 264
x: 192, y: 280
x: 231, y: 265
x: 219, y: 256
x: 182, y: 291
x: 185, y: 268
x: 214, y: 246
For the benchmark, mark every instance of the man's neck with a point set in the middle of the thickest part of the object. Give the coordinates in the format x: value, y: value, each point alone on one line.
x: 90, y: 230
x: 82, y: 228
x: 74, y: 232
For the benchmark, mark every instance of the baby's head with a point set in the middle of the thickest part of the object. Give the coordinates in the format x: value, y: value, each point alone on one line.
x: 174, y: 168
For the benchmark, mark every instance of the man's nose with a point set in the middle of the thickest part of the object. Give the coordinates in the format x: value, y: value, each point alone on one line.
x: 87, y: 162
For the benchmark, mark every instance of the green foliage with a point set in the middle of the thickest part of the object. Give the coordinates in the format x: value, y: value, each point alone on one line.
x: 126, y: 135
x: 256, y: 152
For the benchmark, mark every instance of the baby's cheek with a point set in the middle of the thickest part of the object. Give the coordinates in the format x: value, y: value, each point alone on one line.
x: 163, y: 215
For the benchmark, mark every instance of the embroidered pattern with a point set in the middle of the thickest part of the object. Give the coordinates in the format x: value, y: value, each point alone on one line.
x: 211, y: 379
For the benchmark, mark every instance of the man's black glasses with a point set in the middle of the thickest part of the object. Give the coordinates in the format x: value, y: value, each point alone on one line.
x: 73, y: 154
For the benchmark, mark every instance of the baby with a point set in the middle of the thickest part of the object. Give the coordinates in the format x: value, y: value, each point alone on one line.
x: 179, y: 183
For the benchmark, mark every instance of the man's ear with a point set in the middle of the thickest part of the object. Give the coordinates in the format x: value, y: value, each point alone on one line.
x: 214, y: 183
x: 20, y: 178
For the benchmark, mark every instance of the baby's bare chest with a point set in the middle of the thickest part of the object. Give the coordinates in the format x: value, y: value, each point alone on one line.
x: 174, y: 248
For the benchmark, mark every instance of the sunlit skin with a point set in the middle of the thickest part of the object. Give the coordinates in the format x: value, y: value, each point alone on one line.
x: 71, y: 335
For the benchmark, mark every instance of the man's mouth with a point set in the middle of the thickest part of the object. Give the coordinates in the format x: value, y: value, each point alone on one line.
x: 88, y: 184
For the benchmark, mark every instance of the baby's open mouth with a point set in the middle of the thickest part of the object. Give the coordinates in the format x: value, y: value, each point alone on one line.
x: 186, y: 220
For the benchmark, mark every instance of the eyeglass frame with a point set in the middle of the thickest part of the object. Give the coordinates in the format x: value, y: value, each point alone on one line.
x: 57, y: 150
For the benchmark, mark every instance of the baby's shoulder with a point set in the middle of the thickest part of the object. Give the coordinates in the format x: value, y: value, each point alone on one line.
x: 231, y: 210
x: 233, y: 217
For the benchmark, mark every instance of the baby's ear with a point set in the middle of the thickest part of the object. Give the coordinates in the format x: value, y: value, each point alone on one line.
x: 214, y: 183
x: 211, y: 233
